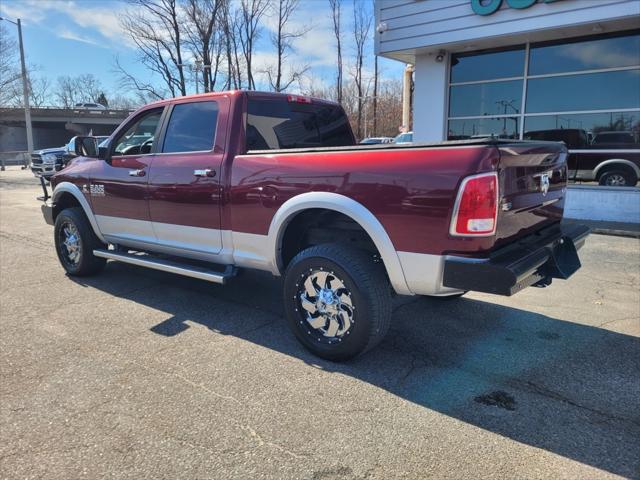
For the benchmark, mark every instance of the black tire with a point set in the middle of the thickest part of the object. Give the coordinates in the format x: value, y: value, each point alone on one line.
x: 82, y: 261
x: 618, y: 178
x: 358, y: 280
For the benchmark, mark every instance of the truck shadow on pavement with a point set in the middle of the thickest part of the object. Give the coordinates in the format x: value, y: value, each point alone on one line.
x: 570, y: 389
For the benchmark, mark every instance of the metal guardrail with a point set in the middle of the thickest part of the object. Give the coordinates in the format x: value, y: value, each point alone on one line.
x: 66, y: 111
x: 14, y: 158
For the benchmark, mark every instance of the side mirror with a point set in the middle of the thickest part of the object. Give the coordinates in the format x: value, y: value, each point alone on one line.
x: 85, y: 147
x: 103, y: 152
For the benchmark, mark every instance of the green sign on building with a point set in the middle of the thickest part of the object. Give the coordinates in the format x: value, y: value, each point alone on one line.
x: 487, y: 7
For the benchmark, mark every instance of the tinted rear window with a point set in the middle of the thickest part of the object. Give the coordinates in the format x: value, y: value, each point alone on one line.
x: 192, y: 127
x: 275, y: 124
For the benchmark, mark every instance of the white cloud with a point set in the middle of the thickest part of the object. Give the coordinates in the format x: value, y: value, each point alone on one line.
x: 317, y: 48
x: 70, y: 35
x: 82, y: 17
x: 25, y: 12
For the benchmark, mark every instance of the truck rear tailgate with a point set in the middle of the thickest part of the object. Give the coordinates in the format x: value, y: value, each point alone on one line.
x: 533, y: 180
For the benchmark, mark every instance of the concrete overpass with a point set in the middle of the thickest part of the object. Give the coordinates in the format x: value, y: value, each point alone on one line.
x: 53, y: 127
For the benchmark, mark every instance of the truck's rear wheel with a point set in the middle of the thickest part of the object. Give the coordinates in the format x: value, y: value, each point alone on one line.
x: 337, y: 300
x: 618, y: 178
x: 75, y: 242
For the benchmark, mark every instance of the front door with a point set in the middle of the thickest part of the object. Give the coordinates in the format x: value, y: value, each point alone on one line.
x: 185, y: 180
x: 119, y: 185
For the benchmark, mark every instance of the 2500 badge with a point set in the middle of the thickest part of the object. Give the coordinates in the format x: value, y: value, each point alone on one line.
x: 96, y: 190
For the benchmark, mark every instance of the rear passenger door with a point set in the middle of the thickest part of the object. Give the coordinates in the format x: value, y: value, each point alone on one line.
x: 185, y: 180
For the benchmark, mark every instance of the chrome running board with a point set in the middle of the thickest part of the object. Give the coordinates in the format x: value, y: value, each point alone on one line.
x: 143, y: 260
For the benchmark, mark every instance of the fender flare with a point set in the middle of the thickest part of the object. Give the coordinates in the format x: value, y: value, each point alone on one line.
x: 625, y: 162
x: 349, y: 207
x: 68, y: 187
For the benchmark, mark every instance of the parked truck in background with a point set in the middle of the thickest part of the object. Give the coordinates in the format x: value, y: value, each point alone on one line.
x: 204, y: 185
x: 609, y: 158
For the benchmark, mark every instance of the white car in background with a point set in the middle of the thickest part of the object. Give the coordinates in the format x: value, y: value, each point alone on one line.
x: 404, y: 138
x: 376, y: 140
x: 97, y: 107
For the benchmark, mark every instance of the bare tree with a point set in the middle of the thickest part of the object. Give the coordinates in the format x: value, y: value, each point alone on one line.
x: 203, y: 17
x: 121, y: 102
x: 389, y: 103
x: 65, y: 92
x: 143, y: 88
x: 248, y: 29
x: 228, y: 28
x: 10, y: 73
x: 38, y: 91
x: 12, y: 94
x: 361, y: 27
x: 335, y: 14
x: 282, y: 39
x: 154, y: 26
x: 71, y: 90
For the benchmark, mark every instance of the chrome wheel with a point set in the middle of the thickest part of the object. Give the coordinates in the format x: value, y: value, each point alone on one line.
x: 70, y: 243
x: 616, y: 180
x: 325, y: 306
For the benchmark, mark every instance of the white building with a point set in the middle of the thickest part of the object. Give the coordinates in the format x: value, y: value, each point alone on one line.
x: 563, y: 70
x: 506, y: 67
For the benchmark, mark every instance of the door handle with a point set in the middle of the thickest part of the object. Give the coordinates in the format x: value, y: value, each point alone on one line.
x: 137, y: 173
x: 207, y: 172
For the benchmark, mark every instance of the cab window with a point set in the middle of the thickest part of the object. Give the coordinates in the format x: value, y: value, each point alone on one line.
x: 191, y: 128
x: 275, y: 124
x: 138, y: 138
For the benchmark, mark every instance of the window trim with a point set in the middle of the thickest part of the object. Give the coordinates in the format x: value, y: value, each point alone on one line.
x: 165, y: 126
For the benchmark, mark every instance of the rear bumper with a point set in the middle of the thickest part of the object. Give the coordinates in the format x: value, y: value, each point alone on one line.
x: 536, y: 259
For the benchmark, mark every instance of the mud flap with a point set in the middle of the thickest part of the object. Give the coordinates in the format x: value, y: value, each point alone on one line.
x: 563, y: 260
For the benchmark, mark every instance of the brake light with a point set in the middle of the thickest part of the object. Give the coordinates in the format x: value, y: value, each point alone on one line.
x: 298, y: 99
x: 476, y: 208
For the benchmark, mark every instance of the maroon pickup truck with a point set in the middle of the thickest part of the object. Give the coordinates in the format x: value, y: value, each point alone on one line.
x: 201, y: 186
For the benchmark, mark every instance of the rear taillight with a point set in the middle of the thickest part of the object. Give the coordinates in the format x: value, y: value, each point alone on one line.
x: 476, y: 208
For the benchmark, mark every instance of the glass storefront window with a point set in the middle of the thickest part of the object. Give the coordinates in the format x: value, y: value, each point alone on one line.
x: 487, y: 66
x: 592, y: 91
x: 495, y: 98
x: 584, y: 92
x: 585, y: 55
x: 505, y: 127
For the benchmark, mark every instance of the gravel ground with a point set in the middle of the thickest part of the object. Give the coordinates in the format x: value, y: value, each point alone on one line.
x: 141, y: 374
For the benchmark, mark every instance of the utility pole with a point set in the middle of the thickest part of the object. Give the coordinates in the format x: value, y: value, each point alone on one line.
x: 197, y: 66
x: 366, y: 116
x: 25, y: 90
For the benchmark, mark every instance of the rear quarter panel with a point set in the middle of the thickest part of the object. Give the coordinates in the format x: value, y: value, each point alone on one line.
x: 411, y: 191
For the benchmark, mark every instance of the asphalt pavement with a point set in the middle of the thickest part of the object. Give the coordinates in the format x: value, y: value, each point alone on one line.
x: 142, y: 374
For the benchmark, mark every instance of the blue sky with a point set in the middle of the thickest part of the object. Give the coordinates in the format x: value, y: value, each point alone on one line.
x: 83, y: 36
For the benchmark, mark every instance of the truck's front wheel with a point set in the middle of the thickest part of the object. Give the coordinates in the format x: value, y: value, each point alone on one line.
x: 337, y: 300
x: 75, y: 242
